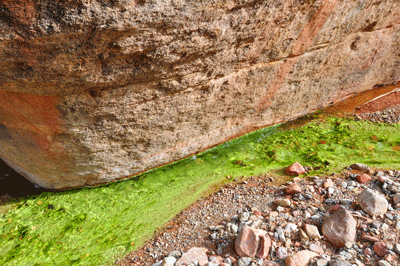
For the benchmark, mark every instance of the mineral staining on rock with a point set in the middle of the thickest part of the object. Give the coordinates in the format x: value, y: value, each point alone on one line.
x: 131, y: 85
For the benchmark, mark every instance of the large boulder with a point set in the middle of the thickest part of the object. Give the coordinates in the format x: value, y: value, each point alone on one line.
x: 97, y: 90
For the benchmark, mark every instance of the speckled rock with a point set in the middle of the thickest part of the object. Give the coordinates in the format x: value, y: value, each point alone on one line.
x: 97, y: 90
x: 301, y: 258
x: 340, y: 228
x: 192, y: 255
x: 372, y: 202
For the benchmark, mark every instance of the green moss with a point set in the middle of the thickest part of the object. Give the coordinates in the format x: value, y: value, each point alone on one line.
x: 95, y: 226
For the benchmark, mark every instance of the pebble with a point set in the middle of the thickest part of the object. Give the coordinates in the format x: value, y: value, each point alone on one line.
x: 322, y: 262
x: 338, y: 262
x: 244, y: 261
x: 372, y: 202
x: 290, y: 227
x: 281, y: 253
x: 383, y: 263
x: 396, y: 198
x: 396, y: 248
x: 380, y: 249
x: 294, y: 188
x: 384, y: 226
x: 346, y: 201
x: 360, y: 166
x: 312, y: 231
x: 295, y: 169
x: 282, y: 202
x: 169, y: 261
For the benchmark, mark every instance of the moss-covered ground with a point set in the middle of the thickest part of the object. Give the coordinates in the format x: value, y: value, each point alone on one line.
x: 95, y: 226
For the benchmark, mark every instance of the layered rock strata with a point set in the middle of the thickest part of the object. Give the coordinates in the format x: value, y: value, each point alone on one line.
x: 96, y: 90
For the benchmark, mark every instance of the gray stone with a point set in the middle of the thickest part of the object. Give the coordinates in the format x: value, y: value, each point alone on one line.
x: 396, y: 198
x: 244, y: 261
x: 384, y: 226
x: 346, y: 201
x: 290, y: 228
x: 321, y: 262
x: 397, y: 248
x: 281, y: 253
x: 281, y: 234
x: 169, y: 261
x: 232, y: 228
x: 383, y: 263
x: 346, y: 255
x: 158, y: 263
x: 360, y: 166
x: 175, y: 253
x: 228, y: 261
x: 372, y: 202
x: 338, y: 262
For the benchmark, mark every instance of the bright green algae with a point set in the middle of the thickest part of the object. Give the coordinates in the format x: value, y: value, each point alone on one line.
x: 95, y: 226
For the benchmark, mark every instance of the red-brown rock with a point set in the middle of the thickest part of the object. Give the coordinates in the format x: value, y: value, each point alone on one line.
x: 370, y: 238
x: 293, y: 188
x: 295, y: 169
x: 192, y: 255
x: 340, y: 228
x: 301, y: 258
x: 380, y: 249
x: 328, y: 183
x: 250, y: 240
x: 364, y: 178
x: 265, y: 245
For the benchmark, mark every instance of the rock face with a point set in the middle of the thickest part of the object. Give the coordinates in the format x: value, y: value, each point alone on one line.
x: 93, y: 91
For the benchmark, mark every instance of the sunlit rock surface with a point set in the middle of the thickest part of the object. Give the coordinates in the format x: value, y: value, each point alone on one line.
x: 97, y: 90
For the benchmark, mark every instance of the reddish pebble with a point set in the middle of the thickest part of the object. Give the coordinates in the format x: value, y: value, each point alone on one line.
x: 293, y: 189
x: 334, y: 208
x: 364, y: 178
x: 388, y: 257
x: 295, y: 213
x: 257, y: 213
x: 367, y: 252
x: 203, y: 262
x: 295, y: 169
x: 328, y: 183
x: 269, y: 263
x: 370, y: 238
x: 383, y: 179
x: 380, y: 249
x: 224, y: 264
x: 364, y: 226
